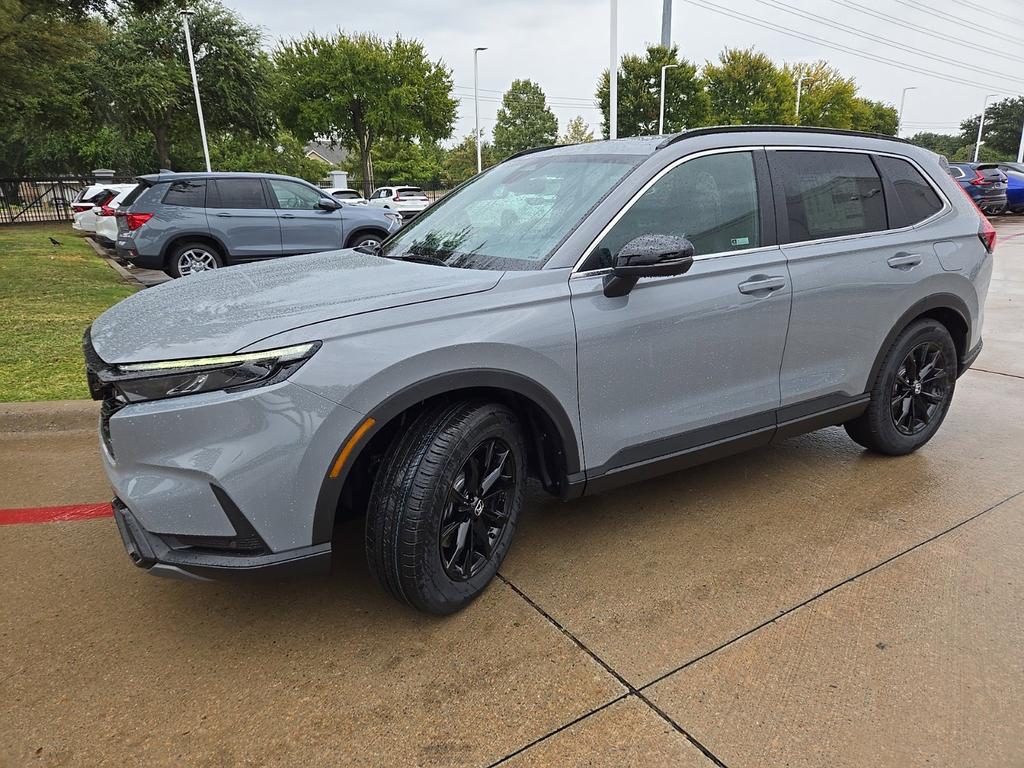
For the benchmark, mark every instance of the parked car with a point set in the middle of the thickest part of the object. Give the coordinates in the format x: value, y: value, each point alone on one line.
x: 84, y: 205
x: 408, y: 201
x: 987, y: 188
x: 184, y: 223
x: 663, y: 302
x: 346, y: 195
x: 1014, y: 183
x: 106, y: 216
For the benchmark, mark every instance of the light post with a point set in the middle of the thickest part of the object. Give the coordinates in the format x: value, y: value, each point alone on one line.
x: 661, y: 113
x: 903, y: 101
x: 476, y: 106
x: 613, y: 74
x: 1020, y: 150
x: 185, y: 13
x: 799, y: 93
x: 981, y: 126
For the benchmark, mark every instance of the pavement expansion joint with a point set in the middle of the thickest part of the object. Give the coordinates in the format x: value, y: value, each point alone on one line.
x: 998, y: 373
x: 631, y: 690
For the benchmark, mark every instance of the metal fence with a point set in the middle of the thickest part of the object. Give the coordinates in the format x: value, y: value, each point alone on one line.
x: 24, y: 200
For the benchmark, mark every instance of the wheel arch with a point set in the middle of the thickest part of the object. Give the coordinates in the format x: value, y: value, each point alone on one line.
x: 946, y: 308
x: 199, y: 237
x: 552, y: 445
x: 364, y: 229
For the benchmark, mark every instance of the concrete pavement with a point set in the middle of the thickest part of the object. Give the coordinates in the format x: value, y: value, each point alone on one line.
x: 807, y: 604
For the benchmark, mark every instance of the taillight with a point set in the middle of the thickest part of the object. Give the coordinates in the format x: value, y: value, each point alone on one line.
x: 136, y: 220
x: 986, y: 232
x: 397, y: 198
x: 105, y: 210
x: 979, y: 180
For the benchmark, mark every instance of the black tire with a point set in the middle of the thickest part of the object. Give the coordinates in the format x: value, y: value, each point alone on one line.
x: 204, y: 252
x: 413, y: 495
x: 366, y: 237
x: 912, y: 392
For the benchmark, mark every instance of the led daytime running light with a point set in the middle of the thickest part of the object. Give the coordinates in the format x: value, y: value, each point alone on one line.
x: 284, y: 354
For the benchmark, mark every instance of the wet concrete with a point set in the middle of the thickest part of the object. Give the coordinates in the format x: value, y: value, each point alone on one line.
x: 806, y: 604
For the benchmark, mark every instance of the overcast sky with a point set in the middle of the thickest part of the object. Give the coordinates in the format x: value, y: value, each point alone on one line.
x: 563, y: 44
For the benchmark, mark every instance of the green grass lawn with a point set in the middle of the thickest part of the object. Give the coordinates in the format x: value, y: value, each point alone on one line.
x: 48, y: 295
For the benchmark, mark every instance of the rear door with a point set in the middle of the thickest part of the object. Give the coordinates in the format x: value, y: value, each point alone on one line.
x: 305, y: 226
x: 854, y: 271
x: 692, y: 359
x: 242, y: 218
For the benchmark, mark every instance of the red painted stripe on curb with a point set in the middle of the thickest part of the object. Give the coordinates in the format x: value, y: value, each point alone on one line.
x: 55, y: 514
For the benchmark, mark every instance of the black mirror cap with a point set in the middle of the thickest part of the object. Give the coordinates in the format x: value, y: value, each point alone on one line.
x: 648, y: 256
x: 329, y: 204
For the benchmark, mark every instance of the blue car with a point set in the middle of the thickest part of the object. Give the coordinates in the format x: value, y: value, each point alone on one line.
x: 986, y: 186
x: 1014, y: 184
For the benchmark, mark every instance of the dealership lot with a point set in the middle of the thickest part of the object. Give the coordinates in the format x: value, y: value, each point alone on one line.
x: 807, y: 604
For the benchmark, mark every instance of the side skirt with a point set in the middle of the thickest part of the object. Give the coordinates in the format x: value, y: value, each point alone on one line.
x: 789, y: 422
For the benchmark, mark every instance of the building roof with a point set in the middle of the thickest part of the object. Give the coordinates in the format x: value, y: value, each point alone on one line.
x: 326, y: 152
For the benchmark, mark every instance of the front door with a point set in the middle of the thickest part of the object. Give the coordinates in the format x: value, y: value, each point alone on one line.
x: 305, y: 226
x: 693, y: 359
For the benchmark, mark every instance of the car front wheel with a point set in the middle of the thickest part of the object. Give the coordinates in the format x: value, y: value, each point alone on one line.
x: 445, y: 503
x: 367, y: 240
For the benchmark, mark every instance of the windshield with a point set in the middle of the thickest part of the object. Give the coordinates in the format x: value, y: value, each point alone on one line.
x: 514, y: 215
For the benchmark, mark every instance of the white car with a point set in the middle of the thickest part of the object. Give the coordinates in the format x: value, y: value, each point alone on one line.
x: 106, y: 214
x: 346, y: 196
x: 408, y: 201
x: 83, y: 217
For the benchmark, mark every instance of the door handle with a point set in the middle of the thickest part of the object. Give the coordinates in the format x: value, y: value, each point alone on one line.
x: 223, y: 215
x: 762, y: 284
x: 904, y: 261
x: 287, y: 215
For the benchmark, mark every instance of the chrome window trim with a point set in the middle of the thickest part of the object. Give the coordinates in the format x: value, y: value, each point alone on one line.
x: 946, y: 205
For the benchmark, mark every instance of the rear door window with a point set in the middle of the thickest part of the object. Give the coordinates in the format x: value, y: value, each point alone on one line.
x: 915, y: 199
x: 188, y: 193
x: 237, y: 193
x: 829, y: 194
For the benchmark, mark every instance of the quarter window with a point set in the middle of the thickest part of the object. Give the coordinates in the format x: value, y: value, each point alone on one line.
x: 829, y: 194
x: 294, y: 197
x: 711, y: 201
x: 916, y: 200
x: 237, y: 193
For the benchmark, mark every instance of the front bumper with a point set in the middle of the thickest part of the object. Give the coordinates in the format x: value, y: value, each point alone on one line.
x: 156, y: 554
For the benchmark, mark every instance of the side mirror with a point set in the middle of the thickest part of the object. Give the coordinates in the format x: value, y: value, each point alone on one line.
x: 648, y: 256
x: 329, y: 204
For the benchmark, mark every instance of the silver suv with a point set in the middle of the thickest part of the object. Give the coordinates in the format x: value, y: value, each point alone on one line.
x: 585, y: 316
x: 184, y: 223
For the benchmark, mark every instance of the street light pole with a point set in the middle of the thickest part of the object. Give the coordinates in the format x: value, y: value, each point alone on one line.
x: 981, y: 126
x: 799, y: 93
x: 903, y: 101
x: 1020, y: 151
x: 476, y: 107
x: 185, y: 13
x: 661, y: 113
x: 613, y: 74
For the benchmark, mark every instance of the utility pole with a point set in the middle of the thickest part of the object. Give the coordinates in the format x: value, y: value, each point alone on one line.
x: 476, y: 107
x: 185, y: 13
x: 661, y: 113
x: 903, y: 101
x: 1020, y: 151
x: 666, y: 23
x: 981, y: 126
x: 613, y: 74
x: 799, y: 92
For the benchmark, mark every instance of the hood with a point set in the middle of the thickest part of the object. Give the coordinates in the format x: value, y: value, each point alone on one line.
x: 225, y: 310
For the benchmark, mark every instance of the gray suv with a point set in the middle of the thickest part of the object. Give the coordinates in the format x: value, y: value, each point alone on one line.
x: 584, y: 316
x: 184, y: 223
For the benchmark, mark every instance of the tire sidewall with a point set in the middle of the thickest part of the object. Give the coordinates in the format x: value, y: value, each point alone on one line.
x: 442, y: 593
x: 172, y: 266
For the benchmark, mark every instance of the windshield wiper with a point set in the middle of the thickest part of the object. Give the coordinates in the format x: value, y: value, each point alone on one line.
x: 420, y: 258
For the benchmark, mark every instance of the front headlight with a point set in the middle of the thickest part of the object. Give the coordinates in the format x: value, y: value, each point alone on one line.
x: 173, y: 378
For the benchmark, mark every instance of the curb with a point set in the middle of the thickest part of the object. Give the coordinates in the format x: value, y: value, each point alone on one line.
x: 127, y: 276
x: 51, y: 416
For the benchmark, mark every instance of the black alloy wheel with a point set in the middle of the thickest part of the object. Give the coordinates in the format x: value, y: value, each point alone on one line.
x: 919, y: 389
x: 477, y: 509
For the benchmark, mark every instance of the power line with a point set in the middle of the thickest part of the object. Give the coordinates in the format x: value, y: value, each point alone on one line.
x: 942, y: 14
x: 990, y: 12
x: 785, y: 7
x: 924, y: 30
x: 838, y: 46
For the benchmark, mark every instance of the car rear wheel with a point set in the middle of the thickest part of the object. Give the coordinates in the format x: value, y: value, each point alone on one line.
x: 912, y: 392
x: 192, y: 258
x: 445, y: 503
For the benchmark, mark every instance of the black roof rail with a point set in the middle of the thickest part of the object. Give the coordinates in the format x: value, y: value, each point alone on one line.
x: 691, y: 133
x: 531, y: 150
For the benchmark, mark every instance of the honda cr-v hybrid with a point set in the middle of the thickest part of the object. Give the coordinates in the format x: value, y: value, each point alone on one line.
x: 583, y: 315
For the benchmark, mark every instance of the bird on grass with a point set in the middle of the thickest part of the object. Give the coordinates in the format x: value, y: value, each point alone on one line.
x: 55, y: 241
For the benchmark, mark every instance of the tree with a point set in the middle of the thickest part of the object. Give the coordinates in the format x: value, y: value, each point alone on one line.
x: 404, y: 162
x: 686, y: 103
x: 875, y: 117
x: 524, y: 119
x: 1002, y: 131
x: 577, y: 132
x: 459, y: 162
x: 280, y: 153
x: 942, y: 143
x: 359, y: 89
x: 828, y: 99
x: 152, y: 87
x: 745, y: 87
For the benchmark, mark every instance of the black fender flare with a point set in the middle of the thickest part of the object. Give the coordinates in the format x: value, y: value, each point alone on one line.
x: 179, y: 237
x: 476, y: 378
x: 363, y: 228
x: 946, y: 301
